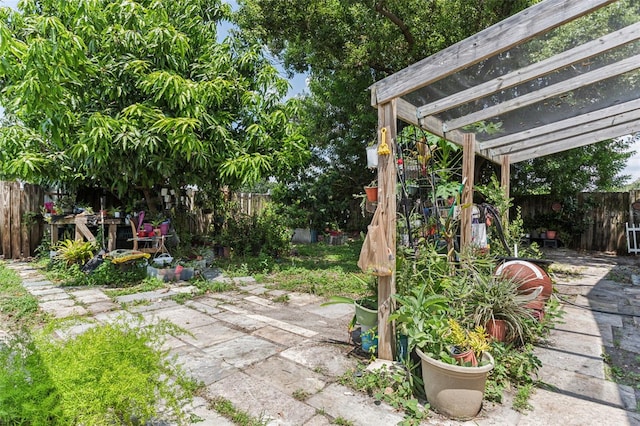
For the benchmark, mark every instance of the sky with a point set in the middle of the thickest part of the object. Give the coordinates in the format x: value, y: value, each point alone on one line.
x: 298, y: 85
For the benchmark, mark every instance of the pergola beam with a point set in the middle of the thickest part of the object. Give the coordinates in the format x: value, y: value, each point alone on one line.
x: 551, y: 128
x: 576, y: 141
x: 538, y: 69
x: 407, y: 113
x: 510, y: 32
x: 599, y: 74
x: 567, y: 134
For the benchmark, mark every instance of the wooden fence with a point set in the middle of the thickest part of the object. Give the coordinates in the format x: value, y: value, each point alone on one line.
x: 20, y: 228
x: 606, y: 216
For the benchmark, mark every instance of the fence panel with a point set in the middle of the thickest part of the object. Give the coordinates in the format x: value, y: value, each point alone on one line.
x: 20, y: 230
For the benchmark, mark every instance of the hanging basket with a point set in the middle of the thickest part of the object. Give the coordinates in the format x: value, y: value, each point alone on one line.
x: 372, y: 193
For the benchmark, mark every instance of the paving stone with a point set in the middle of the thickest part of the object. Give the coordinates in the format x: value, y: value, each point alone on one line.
x: 233, y: 308
x: 202, y: 307
x: 610, y: 319
x: 65, y: 311
x: 243, y: 281
x: 256, y: 289
x: 591, y: 365
x: 261, y: 400
x: 338, y: 310
x: 90, y: 296
x: 202, y: 415
x: 60, y: 295
x: 243, y: 351
x: 261, y: 301
x: 240, y: 320
x: 69, y: 331
x: 292, y: 328
x: 47, y: 290
x: 147, y: 295
x: 276, y: 293
x: 595, y: 389
x: 184, y: 316
x: 210, y: 334
x: 35, y: 284
x: 152, y: 305
x: 117, y: 316
x: 278, y: 336
x: 359, y: 409
x: 287, y: 376
x: 553, y: 408
x: 204, y: 367
x: 99, y: 307
x: 319, y: 420
x: 328, y: 358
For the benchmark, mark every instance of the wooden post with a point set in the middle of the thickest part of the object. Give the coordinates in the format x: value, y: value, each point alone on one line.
x: 505, y: 179
x: 387, y: 198
x: 468, y: 164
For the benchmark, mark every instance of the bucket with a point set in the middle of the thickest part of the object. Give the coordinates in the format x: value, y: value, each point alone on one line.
x: 164, y: 228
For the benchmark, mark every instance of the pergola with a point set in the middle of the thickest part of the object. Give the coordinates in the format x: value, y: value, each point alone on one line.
x: 558, y: 75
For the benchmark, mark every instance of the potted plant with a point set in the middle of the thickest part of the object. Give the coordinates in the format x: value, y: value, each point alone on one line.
x: 423, y: 315
x: 496, y: 298
x: 467, y: 346
x: 372, y: 191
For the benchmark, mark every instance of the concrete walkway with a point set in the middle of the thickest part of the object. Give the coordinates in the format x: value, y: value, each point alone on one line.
x: 259, y: 353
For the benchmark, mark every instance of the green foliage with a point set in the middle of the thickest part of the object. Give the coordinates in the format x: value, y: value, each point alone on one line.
x: 132, y: 94
x: 345, y: 47
x: 15, y: 301
x: 263, y: 232
x: 238, y: 417
x: 514, y: 367
x: 111, y: 373
x: 75, y: 251
x: 112, y: 275
x: 393, y: 385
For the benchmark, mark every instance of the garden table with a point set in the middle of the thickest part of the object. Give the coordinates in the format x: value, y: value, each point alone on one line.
x: 82, y: 231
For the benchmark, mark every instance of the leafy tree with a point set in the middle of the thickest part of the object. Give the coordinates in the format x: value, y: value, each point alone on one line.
x: 131, y: 94
x: 345, y: 46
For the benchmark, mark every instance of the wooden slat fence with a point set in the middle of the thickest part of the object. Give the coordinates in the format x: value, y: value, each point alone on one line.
x: 606, y: 216
x: 20, y: 228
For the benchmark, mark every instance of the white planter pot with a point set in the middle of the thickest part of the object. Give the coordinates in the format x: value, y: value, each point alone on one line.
x: 372, y: 157
x: 454, y: 390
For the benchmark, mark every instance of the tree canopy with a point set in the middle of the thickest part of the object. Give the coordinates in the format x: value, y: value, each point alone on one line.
x: 345, y: 46
x: 135, y: 93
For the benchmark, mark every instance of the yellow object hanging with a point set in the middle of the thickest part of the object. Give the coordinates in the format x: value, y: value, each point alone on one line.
x: 383, y: 148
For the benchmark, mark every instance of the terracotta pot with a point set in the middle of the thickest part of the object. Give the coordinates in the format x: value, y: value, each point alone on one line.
x: 529, y: 275
x: 551, y: 235
x: 453, y: 390
x: 466, y: 358
x: 372, y: 193
x: 497, y: 329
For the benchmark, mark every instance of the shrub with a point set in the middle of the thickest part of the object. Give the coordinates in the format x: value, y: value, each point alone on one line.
x: 75, y: 251
x: 110, y: 374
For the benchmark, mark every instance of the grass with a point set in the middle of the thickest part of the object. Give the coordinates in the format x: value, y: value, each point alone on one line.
x: 18, y: 307
x: 319, y: 269
x: 225, y: 408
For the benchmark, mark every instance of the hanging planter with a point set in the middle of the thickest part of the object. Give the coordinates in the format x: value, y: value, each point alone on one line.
x: 372, y: 193
x: 372, y: 157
